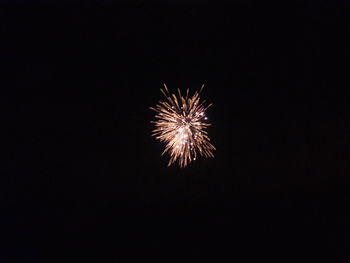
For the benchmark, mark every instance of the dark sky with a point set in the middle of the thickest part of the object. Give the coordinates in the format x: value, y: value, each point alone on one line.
x: 84, y: 180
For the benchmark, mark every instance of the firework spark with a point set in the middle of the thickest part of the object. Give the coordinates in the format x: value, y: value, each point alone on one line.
x: 181, y: 124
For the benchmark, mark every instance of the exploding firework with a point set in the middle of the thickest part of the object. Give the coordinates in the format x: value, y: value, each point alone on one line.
x: 181, y: 124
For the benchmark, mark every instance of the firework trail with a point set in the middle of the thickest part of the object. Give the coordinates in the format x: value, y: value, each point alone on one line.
x: 181, y: 124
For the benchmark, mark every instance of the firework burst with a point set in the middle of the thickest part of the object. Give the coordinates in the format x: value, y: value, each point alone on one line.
x: 181, y: 124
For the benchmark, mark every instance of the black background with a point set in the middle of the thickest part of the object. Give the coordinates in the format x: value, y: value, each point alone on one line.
x: 83, y: 179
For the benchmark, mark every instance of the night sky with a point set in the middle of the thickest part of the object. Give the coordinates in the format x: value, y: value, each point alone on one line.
x: 82, y: 179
